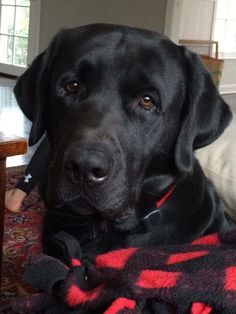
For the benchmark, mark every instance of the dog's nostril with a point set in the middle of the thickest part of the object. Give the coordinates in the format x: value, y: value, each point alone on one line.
x: 99, y: 173
x: 100, y: 169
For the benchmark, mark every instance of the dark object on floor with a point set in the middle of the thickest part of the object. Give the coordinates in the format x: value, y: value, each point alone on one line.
x: 196, y: 278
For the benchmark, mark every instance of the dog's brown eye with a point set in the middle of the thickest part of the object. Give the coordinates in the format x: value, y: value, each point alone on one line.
x: 72, y: 87
x: 146, y: 103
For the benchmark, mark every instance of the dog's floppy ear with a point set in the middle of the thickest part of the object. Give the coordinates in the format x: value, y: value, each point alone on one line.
x: 28, y: 92
x: 204, y: 116
x: 31, y: 91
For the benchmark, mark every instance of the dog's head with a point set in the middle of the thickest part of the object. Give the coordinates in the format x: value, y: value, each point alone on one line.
x: 122, y: 108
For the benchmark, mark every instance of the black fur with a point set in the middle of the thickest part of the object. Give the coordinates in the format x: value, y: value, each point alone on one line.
x: 144, y: 152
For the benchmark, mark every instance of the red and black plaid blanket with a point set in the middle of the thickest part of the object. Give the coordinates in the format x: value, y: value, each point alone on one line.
x: 198, y: 278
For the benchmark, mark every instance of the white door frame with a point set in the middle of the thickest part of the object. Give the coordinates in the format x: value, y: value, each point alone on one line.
x: 173, y: 19
x: 33, y: 41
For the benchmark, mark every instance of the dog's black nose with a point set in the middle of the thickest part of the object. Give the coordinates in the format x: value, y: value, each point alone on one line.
x: 88, y: 165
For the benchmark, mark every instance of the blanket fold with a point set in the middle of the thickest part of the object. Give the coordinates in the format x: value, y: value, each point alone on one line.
x: 196, y: 278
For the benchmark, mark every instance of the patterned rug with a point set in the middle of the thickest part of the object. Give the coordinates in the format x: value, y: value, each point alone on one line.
x: 21, y: 242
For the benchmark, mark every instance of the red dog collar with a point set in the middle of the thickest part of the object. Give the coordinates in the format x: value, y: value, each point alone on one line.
x: 165, y: 197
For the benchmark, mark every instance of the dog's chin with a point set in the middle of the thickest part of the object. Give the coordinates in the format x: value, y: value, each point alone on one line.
x: 126, y: 222
x: 119, y: 219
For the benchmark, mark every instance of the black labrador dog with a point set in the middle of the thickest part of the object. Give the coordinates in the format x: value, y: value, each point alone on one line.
x: 124, y: 109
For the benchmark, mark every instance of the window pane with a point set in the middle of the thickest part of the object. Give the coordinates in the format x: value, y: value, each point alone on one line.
x: 20, y: 51
x: 23, y: 2
x: 232, y: 10
x: 222, y: 8
x: 6, y: 51
x: 230, y: 38
x: 22, y: 21
x: 225, y: 27
x: 8, y: 2
x: 7, y: 20
x: 220, y: 26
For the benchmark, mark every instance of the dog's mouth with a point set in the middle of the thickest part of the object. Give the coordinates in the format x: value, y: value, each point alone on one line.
x: 126, y: 221
x: 108, y: 202
x: 119, y: 218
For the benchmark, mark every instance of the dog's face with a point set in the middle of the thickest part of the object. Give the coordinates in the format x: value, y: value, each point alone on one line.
x: 123, y: 109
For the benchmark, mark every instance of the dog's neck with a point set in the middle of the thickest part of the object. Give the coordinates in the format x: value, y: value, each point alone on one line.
x: 88, y: 229
x: 147, y: 222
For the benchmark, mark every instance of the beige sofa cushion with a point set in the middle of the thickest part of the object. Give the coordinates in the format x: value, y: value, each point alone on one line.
x: 218, y: 161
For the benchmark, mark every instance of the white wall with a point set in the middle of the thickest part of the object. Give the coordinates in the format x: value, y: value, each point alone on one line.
x: 197, y: 19
x: 57, y: 14
x: 228, y: 80
x: 180, y: 19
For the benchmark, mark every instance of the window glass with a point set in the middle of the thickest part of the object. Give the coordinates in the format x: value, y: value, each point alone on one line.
x: 20, y: 51
x: 225, y: 28
x: 6, y: 51
x: 7, y: 20
x: 22, y: 21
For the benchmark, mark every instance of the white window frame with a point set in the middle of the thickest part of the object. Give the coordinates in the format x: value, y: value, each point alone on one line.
x: 33, y: 41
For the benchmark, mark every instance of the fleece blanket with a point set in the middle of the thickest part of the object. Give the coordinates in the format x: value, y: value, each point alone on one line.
x: 196, y: 278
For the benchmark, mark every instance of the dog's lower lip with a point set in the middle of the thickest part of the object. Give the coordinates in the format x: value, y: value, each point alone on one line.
x: 121, y: 219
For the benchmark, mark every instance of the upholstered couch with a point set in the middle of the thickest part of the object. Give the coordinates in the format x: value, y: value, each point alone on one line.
x: 219, y: 163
